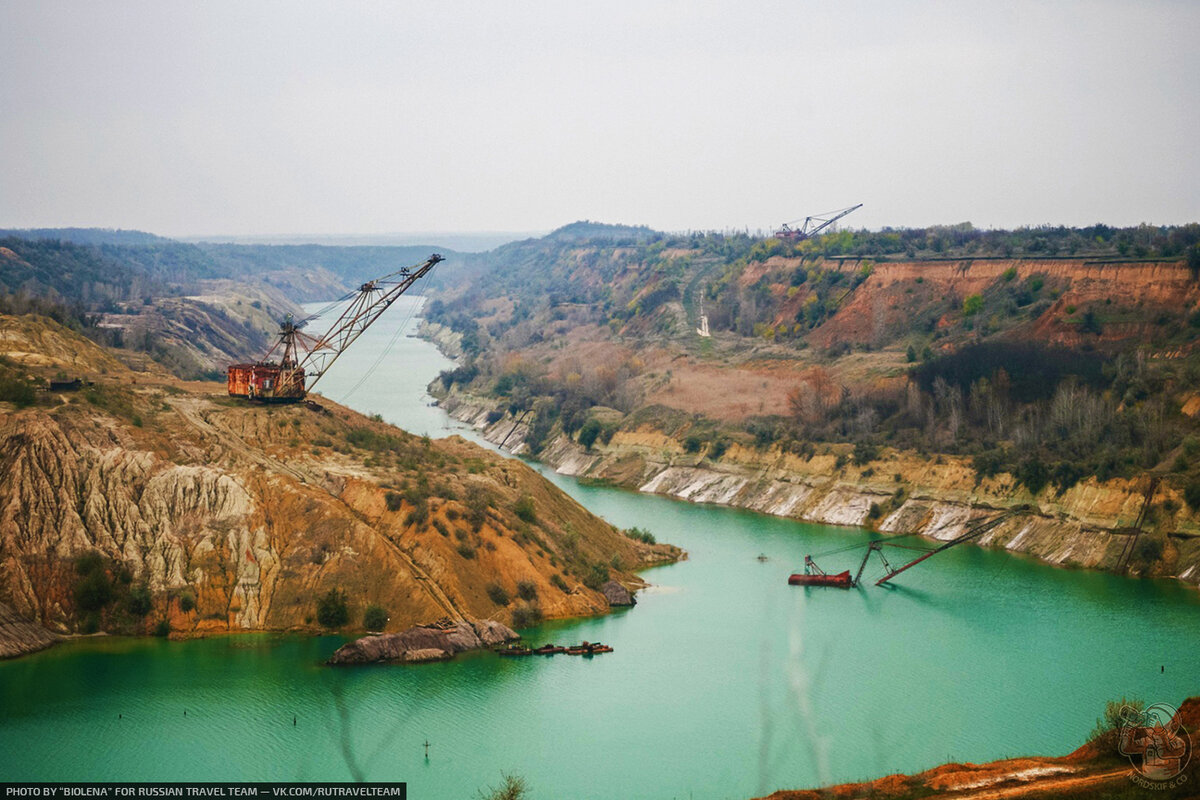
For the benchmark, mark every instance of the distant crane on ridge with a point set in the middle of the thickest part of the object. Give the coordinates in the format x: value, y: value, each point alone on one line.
x: 812, y: 225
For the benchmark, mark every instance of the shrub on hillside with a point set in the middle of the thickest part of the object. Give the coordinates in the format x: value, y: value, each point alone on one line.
x: 139, y: 603
x: 640, y: 534
x: 526, y: 615
x: 1191, y: 494
x: 17, y: 391
x: 187, y: 602
x: 375, y: 618
x: 589, y: 433
x: 1115, y: 713
x: 332, y: 609
x: 93, y: 591
x: 596, y: 576
x: 525, y: 510
x: 497, y: 594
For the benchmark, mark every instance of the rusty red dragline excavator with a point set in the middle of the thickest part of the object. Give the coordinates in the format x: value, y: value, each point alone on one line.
x: 293, y: 366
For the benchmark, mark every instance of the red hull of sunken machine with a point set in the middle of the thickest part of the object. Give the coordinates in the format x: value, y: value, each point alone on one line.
x: 298, y: 360
x: 840, y: 580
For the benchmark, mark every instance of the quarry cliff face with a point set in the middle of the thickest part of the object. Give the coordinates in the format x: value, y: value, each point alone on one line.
x: 212, y: 515
x: 212, y: 511
x: 1130, y: 297
x: 938, y: 496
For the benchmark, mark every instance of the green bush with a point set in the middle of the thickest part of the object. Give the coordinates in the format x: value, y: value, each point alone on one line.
x: 419, y: 515
x: 162, y: 629
x: 476, y: 499
x: 187, y: 602
x: 88, y: 563
x: 525, y: 510
x: 394, y: 500
x: 526, y: 615
x: 466, y: 550
x: 527, y: 590
x: 375, y: 618
x: 497, y: 594
x: 332, y: 609
x: 972, y: 305
x: 1149, y: 549
x: 1032, y: 474
x: 1107, y: 725
x: 596, y: 576
x: 17, y: 391
x: 607, y: 433
x: 94, y: 591
x: 512, y: 788
x: 987, y: 464
x: 865, y: 453
x: 717, y: 449
x: 140, y: 602
x: 640, y: 534
x: 558, y: 581
x: 589, y: 432
x: 1191, y: 494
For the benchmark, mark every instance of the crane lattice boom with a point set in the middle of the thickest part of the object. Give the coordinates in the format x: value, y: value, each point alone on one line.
x: 813, y: 224
x: 297, y: 361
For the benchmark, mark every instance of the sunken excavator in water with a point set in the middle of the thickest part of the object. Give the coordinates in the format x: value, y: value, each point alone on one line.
x: 297, y: 361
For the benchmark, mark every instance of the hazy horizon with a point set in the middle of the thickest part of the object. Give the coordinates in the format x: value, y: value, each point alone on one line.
x: 360, y: 120
x: 466, y: 241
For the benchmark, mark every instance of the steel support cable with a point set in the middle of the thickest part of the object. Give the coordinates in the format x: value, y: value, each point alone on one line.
x: 320, y: 313
x: 839, y: 550
x: 379, y: 360
x: 371, y: 370
x: 361, y: 314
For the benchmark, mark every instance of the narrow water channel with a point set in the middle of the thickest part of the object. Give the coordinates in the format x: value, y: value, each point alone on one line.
x: 725, y: 682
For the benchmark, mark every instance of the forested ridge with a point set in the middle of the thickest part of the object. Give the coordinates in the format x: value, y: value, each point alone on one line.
x: 1051, y: 353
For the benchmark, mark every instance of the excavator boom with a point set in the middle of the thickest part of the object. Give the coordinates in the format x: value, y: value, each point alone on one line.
x: 298, y: 360
x: 813, y: 224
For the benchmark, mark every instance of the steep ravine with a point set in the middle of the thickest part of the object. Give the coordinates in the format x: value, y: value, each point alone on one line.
x: 935, y: 496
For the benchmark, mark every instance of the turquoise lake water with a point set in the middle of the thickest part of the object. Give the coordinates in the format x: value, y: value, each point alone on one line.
x: 725, y: 682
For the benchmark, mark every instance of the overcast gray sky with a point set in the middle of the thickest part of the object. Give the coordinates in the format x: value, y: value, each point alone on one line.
x: 256, y: 117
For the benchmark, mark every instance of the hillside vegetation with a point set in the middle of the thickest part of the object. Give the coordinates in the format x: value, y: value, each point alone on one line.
x: 1046, y: 355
